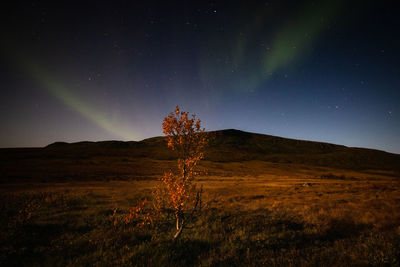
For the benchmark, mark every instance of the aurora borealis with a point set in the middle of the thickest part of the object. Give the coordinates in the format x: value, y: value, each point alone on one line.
x: 314, y: 70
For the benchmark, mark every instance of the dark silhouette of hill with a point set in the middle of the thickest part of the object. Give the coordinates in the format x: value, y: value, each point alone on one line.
x: 234, y: 145
x: 226, y: 146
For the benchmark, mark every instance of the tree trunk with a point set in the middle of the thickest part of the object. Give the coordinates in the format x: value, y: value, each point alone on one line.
x: 180, y: 220
x: 178, y: 224
x: 179, y: 230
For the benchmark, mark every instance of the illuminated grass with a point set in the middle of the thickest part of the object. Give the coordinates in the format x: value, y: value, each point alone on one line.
x: 246, y: 221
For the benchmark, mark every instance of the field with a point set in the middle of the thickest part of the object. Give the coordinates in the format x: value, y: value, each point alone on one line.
x: 287, y: 216
x: 267, y: 201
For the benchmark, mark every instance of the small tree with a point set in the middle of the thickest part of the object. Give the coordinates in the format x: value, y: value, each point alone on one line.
x: 188, y: 139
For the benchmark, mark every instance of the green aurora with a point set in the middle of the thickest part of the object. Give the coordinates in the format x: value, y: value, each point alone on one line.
x: 73, y: 101
x: 282, y: 47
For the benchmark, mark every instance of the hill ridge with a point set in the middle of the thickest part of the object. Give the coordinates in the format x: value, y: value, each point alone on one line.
x: 228, y: 145
x: 224, y: 131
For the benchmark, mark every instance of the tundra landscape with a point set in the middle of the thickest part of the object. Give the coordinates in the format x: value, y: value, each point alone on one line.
x: 295, y: 161
x: 266, y: 201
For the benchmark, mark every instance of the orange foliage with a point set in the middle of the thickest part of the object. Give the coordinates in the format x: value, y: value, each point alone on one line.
x: 138, y: 216
x: 185, y: 136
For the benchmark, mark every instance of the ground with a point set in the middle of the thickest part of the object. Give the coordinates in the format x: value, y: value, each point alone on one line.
x: 254, y: 213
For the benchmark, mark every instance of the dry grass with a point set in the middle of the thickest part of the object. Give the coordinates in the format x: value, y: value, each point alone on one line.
x: 263, y: 215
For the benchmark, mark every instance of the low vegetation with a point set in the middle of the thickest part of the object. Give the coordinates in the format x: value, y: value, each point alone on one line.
x: 269, y: 220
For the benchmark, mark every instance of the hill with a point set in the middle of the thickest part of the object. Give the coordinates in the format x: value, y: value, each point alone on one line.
x: 234, y: 145
x: 150, y: 156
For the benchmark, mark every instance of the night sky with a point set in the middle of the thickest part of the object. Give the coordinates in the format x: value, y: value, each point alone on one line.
x: 315, y: 70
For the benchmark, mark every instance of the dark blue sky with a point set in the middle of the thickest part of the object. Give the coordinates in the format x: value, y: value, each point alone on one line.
x: 315, y: 70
